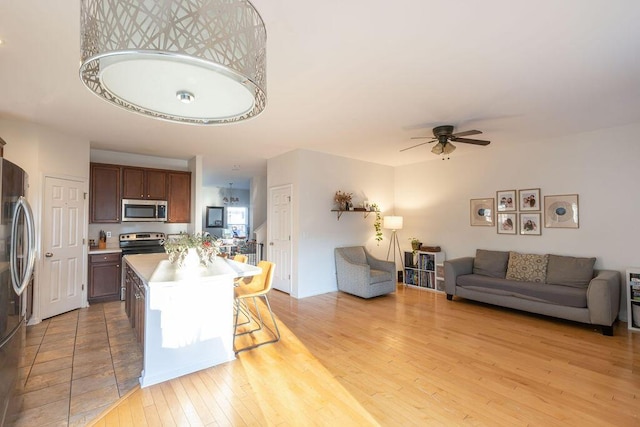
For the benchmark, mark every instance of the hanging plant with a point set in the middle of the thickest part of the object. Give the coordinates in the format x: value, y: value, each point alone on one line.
x: 377, y: 224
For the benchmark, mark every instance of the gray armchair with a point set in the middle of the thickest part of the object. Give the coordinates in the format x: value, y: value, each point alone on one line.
x: 360, y: 274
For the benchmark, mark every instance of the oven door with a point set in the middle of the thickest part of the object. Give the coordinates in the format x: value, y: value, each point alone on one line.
x: 140, y: 210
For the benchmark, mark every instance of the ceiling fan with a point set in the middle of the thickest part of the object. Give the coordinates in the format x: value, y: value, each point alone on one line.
x: 444, y: 135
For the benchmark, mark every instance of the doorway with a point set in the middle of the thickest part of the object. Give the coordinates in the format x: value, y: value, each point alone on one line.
x: 62, y: 278
x: 279, y: 236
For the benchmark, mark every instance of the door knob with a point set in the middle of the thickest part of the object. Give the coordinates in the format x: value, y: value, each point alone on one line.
x: 270, y: 243
x: 48, y: 254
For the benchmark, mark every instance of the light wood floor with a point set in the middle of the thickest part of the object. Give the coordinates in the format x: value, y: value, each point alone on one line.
x: 409, y: 358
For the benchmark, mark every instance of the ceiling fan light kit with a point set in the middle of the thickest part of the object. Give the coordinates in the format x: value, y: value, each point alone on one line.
x: 444, y: 135
x: 197, y: 62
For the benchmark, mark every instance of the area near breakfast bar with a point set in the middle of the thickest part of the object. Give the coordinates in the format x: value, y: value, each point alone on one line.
x: 184, y: 317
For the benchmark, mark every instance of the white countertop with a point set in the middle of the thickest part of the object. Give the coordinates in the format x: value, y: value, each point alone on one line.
x: 156, y: 268
x: 95, y: 250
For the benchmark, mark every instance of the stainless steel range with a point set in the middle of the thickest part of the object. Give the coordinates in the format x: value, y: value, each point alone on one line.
x: 142, y: 243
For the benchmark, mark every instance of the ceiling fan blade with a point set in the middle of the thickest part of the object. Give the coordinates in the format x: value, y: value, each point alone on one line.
x: 471, y: 141
x: 422, y: 137
x: 414, y: 146
x: 467, y: 133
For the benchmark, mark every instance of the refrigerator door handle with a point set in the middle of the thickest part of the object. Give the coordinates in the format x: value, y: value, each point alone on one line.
x: 20, y: 283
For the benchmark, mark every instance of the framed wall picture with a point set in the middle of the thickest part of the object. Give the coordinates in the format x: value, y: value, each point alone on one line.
x: 507, y: 223
x: 529, y: 200
x: 482, y: 212
x: 214, y: 218
x: 561, y: 211
x: 530, y: 224
x: 506, y: 200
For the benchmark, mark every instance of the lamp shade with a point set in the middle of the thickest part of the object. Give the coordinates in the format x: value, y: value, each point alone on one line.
x: 392, y: 222
x: 198, y: 62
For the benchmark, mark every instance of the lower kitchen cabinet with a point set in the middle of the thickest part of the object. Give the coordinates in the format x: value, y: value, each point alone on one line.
x: 104, y: 277
x: 135, y: 302
x: 139, y: 305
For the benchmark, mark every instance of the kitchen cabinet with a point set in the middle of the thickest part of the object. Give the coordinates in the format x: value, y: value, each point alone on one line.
x: 179, y: 197
x: 139, y: 308
x: 142, y: 183
x: 104, y: 277
x: 104, y: 195
x: 134, y: 302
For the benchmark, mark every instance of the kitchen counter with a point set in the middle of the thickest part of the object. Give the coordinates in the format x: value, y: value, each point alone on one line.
x: 188, y: 314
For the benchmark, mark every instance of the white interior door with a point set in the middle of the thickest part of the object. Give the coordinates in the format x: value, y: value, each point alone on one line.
x: 279, y: 236
x: 63, y: 217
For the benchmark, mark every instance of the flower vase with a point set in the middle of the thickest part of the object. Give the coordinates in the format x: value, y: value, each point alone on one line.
x: 191, y: 260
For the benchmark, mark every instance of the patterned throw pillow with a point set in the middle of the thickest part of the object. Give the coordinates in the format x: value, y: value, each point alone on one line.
x: 527, y: 267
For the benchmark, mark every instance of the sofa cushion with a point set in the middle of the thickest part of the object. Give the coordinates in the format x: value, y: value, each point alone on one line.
x: 377, y: 276
x: 490, y: 263
x: 570, y: 271
x: 527, y: 267
x: 558, y: 295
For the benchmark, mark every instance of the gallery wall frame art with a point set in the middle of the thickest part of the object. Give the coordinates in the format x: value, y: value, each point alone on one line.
x: 561, y: 211
x: 481, y: 212
x: 530, y: 224
x: 507, y: 223
x: 506, y: 200
x: 529, y: 199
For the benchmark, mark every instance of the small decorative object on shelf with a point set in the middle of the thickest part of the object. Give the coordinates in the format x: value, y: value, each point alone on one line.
x: 205, y: 246
x: 415, y: 243
x: 424, y: 270
x: 343, y: 200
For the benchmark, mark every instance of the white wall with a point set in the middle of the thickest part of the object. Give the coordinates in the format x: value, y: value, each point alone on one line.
x: 601, y: 167
x: 316, y: 231
x: 40, y: 151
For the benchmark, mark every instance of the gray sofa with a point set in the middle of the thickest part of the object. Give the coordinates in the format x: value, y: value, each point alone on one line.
x: 361, y: 274
x: 552, y: 285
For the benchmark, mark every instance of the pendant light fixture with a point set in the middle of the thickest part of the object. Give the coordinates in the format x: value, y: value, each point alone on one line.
x: 196, y: 61
x: 229, y: 199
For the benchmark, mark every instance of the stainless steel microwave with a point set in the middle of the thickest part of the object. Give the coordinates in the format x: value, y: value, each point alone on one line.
x: 144, y: 210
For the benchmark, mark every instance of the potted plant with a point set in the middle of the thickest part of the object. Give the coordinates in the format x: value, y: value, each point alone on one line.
x: 415, y: 243
x: 377, y: 224
x: 203, y: 247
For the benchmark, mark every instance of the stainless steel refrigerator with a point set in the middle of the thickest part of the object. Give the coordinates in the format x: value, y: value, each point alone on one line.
x: 17, y: 259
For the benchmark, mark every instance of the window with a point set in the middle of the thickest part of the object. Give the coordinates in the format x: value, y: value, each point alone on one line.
x: 237, y: 221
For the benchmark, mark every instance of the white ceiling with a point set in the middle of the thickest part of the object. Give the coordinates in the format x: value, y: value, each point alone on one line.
x: 358, y: 79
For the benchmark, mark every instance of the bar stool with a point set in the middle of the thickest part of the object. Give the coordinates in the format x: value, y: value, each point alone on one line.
x: 258, y: 287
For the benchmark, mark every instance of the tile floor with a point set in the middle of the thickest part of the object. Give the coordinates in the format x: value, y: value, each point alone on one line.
x: 76, y: 365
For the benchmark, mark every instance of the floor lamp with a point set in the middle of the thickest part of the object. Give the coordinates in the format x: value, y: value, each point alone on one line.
x: 393, y: 223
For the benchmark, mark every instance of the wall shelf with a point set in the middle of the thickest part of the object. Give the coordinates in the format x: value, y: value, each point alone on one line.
x: 340, y: 212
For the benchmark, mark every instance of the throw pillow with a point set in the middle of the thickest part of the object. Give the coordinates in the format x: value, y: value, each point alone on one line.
x: 570, y: 271
x: 490, y: 263
x: 527, y: 267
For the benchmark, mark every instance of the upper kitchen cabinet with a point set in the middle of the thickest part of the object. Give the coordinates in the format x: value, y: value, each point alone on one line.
x: 179, y: 197
x: 141, y: 183
x: 104, y: 198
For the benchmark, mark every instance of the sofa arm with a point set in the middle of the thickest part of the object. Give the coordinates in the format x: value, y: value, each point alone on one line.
x: 454, y: 268
x: 603, y: 297
x: 382, y: 265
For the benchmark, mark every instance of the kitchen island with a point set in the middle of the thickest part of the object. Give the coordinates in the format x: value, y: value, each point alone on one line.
x: 183, y: 317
